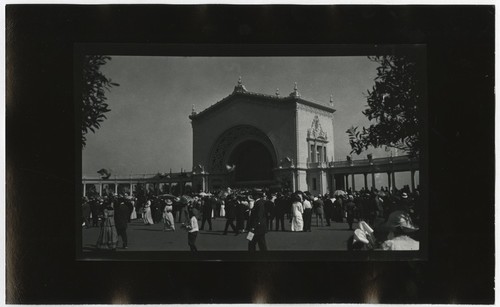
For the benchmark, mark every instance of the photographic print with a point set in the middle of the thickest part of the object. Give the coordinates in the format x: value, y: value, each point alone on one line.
x: 193, y: 154
x: 254, y: 153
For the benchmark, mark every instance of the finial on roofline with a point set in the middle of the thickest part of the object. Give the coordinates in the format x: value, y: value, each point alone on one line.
x: 239, y: 88
x: 295, y: 92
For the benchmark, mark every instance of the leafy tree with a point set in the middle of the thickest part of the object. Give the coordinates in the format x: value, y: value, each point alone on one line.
x: 393, y: 105
x: 95, y: 83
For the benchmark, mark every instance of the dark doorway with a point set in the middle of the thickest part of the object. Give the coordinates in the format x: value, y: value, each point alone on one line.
x: 253, y: 162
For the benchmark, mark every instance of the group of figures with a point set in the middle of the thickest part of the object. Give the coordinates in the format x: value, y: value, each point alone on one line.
x: 380, y: 215
x: 112, y: 214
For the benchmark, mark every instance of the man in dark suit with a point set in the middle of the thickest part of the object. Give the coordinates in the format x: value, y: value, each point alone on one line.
x: 130, y: 206
x: 231, y: 204
x: 94, y: 208
x: 281, y: 207
x: 86, y: 212
x: 240, y: 214
x: 122, y: 214
x: 207, y: 213
x: 271, y: 209
x: 328, y: 204
x: 257, y: 223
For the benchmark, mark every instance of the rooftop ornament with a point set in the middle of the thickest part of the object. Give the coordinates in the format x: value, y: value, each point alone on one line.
x: 295, y: 92
x: 239, y: 88
x: 331, y: 101
x: 277, y: 92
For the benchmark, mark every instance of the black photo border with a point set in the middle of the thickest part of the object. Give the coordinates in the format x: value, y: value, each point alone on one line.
x: 41, y: 265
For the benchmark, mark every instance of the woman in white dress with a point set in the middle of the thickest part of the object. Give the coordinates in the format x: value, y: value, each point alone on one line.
x: 148, y: 219
x: 133, y: 215
x: 168, y: 217
x: 222, y: 208
x: 297, y: 210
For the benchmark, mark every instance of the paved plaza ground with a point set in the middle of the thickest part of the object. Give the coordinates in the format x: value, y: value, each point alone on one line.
x: 153, y: 238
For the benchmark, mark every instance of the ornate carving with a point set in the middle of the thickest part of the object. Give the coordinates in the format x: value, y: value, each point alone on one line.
x: 316, y: 131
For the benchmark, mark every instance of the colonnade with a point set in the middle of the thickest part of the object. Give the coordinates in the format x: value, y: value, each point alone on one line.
x: 350, y: 182
x: 131, y: 185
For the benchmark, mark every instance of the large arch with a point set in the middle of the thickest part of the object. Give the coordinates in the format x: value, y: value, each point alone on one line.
x: 252, y: 161
x: 229, y: 146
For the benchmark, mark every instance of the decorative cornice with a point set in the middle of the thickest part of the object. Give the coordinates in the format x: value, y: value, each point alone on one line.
x: 316, y: 110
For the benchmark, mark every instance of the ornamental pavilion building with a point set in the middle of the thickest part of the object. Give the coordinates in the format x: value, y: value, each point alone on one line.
x: 251, y: 139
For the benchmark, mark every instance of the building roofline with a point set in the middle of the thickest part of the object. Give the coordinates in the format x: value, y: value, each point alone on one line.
x: 283, y: 99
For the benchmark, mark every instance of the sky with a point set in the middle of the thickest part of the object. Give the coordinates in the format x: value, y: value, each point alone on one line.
x: 148, y: 130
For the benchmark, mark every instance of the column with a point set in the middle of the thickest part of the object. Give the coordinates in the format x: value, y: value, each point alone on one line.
x: 116, y: 188
x: 346, y: 181
x: 84, y: 189
x: 389, y: 180
x: 334, y: 184
x: 100, y: 188
x: 294, y: 182
x: 394, y: 180
x: 413, y: 180
x: 353, y: 185
x: 131, y: 189
x: 181, y: 187
x: 373, y: 180
x: 366, y: 181
x: 204, y: 183
x: 320, y: 182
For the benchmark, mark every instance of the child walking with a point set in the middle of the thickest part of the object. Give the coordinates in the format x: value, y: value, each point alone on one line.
x: 192, y: 229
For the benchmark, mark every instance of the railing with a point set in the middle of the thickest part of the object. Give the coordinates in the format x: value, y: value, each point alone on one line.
x: 361, y: 162
x: 317, y: 164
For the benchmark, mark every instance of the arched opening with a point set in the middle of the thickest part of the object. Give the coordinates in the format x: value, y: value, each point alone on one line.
x: 253, y: 162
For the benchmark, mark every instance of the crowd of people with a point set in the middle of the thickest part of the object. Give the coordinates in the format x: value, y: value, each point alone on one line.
x: 257, y: 211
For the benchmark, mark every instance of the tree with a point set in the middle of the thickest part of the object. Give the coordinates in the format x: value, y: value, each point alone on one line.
x: 393, y: 105
x: 95, y: 83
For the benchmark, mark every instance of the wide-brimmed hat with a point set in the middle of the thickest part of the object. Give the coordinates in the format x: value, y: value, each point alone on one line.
x: 400, y: 219
x: 404, y: 195
x: 169, y: 201
x: 360, y: 236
